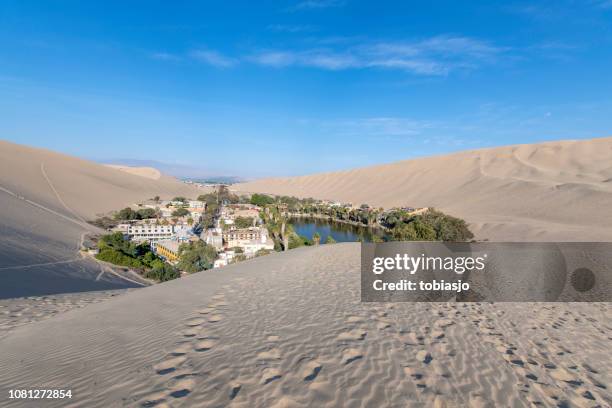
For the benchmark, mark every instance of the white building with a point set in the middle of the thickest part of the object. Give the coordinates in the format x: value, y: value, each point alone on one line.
x: 213, y: 237
x: 250, y: 239
x: 147, y: 232
x: 197, y: 204
x: 224, y: 259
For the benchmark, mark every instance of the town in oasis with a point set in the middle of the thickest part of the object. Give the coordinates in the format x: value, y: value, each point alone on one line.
x: 163, y: 239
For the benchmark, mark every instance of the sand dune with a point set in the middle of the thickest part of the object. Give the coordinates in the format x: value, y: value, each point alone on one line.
x: 148, y: 172
x: 289, y: 330
x: 46, y: 198
x: 547, y: 191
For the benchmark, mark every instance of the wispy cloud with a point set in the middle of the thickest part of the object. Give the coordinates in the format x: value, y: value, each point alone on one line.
x: 439, y: 55
x: 434, y: 56
x: 164, y: 56
x: 213, y: 58
x: 289, y: 28
x: 605, y: 4
x: 317, y: 4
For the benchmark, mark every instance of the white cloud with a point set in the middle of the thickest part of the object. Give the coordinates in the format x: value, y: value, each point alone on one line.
x: 285, y: 28
x: 164, y: 56
x: 213, y: 58
x: 317, y: 4
x: 434, y: 56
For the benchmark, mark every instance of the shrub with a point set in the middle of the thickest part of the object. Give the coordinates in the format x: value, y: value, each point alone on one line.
x: 180, y: 212
x: 243, y: 222
x: 330, y: 240
x: 162, y: 272
x: 261, y: 200
x: 196, y: 256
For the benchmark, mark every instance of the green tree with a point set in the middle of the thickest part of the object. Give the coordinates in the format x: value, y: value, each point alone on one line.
x: 145, y: 213
x: 180, y: 212
x: 330, y: 240
x: 126, y: 214
x: 243, y: 222
x: 261, y: 200
x: 377, y: 239
x: 196, y: 256
x: 162, y: 272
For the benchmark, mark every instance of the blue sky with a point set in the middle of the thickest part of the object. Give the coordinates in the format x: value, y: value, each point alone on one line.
x: 293, y: 87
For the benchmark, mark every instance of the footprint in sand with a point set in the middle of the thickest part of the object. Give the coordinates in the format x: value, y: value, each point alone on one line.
x: 443, y: 323
x: 383, y: 324
x: 182, y: 387
x: 424, y: 356
x: 206, y: 310
x: 168, y: 366
x: 190, y: 332
x: 351, y: 354
x: 215, y: 318
x: 203, y: 334
x: 182, y: 349
x: 311, y: 370
x: 205, y: 345
x: 197, y: 321
x: 356, y: 334
x: 409, y: 338
x: 414, y: 373
x: 437, y: 334
x: 270, y: 374
x: 235, y: 388
x: 154, y: 399
x: 272, y: 354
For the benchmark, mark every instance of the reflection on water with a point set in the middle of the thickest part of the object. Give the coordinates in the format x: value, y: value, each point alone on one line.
x: 339, y: 231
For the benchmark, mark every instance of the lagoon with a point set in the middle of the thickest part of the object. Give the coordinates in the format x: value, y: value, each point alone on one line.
x: 340, y: 231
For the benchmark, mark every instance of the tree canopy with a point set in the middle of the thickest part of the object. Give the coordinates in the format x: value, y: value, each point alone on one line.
x: 196, y: 256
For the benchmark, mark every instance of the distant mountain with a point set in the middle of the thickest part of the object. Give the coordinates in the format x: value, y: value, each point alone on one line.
x: 215, y: 180
x: 177, y: 170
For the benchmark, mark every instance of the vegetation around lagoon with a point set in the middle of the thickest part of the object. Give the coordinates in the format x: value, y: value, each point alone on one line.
x: 399, y: 224
x: 115, y: 249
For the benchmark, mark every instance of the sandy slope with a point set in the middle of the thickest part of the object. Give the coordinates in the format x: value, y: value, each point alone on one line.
x: 289, y: 330
x: 148, y: 172
x: 46, y: 198
x: 548, y: 191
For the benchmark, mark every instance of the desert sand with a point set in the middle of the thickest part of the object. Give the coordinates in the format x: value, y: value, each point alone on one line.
x: 20, y: 311
x: 289, y: 330
x: 147, y: 172
x: 46, y: 199
x: 549, y: 191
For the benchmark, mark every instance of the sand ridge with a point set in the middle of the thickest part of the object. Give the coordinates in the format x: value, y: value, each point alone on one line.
x: 147, y: 172
x: 534, y: 192
x: 46, y: 199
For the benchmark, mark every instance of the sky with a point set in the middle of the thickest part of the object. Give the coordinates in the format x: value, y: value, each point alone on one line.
x: 280, y: 88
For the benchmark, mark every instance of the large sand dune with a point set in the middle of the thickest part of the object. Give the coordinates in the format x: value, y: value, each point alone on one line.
x: 148, y: 172
x: 289, y: 330
x: 548, y: 191
x: 46, y: 198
